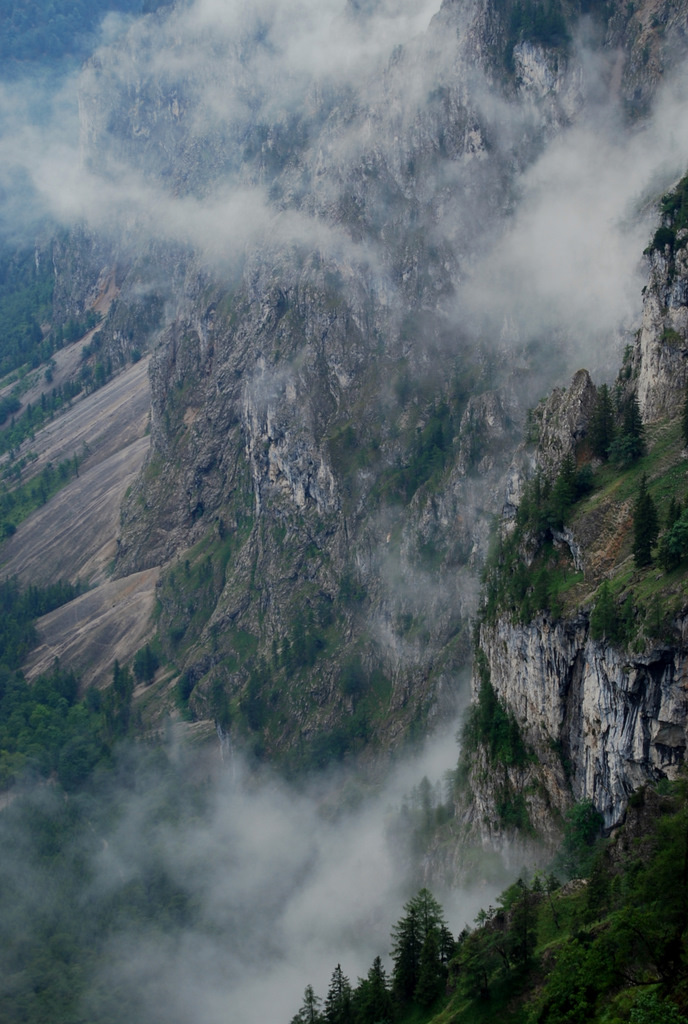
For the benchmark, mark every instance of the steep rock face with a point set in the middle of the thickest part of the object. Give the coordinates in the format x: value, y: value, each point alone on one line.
x: 554, y: 430
x: 661, y: 356
x: 326, y: 441
x: 602, y: 721
x: 562, y: 421
x: 320, y: 413
x: 615, y: 722
x: 288, y: 459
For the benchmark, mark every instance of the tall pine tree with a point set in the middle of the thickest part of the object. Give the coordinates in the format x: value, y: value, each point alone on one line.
x: 372, y: 1001
x: 419, y: 939
x: 601, y: 433
x: 629, y: 445
x: 645, y: 525
x: 338, y: 999
x: 310, y: 1010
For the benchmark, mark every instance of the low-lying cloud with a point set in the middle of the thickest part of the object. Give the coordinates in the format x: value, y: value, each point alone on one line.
x: 222, y: 128
x: 279, y: 886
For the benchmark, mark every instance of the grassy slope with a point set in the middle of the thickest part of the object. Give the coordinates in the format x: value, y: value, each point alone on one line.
x: 609, y: 950
x: 603, y: 522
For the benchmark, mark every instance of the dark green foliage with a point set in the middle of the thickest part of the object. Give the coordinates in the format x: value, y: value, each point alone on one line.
x: 43, y: 729
x: 581, y: 970
x: 650, y: 1009
x: 662, y: 237
x: 417, y: 952
x: 351, y: 592
x: 612, y: 950
x: 673, y: 512
x: 19, y: 608
x: 645, y: 525
x: 684, y: 419
x: 583, y: 828
x: 511, y: 585
x: 310, y: 1009
x: 146, y: 664
x: 512, y: 809
x: 629, y: 443
x: 568, y: 487
x: 608, y: 621
x: 36, y: 416
x: 432, y: 974
x: 536, y: 21
x: 302, y: 647
x: 254, y: 705
x: 338, y: 1000
x: 673, y: 547
x: 183, y: 691
x: 539, y: 22
x: 522, y: 933
x: 602, y: 425
x: 26, y: 291
x: 429, y: 453
x: 46, y: 729
x: 219, y: 704
x: 116, y: 704
x: 489, y: 724
x: 372, y: 1001
x: 354, y: 678
x: 674, y: 210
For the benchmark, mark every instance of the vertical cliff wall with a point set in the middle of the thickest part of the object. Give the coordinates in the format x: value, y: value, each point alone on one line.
x: 611, y: 721
x: 602, y: 718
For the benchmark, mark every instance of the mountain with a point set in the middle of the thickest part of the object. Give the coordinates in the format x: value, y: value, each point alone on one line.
x: 281, y: 291
x: 344, y: 332
x: 582, y: 631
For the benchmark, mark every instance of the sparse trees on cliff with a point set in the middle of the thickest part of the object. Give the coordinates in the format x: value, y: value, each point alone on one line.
x: 645, y: 525
x: 629, y: 444
x: 601, y: 433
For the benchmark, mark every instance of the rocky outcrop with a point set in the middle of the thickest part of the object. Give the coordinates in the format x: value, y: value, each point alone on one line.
x: 328, y: 441
x: 661, y: 354
x: 602, y: 722
x: 561, y: 422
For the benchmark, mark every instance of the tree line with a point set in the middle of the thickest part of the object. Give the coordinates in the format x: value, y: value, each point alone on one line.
x: 610, y: 944
x: 422, y: 947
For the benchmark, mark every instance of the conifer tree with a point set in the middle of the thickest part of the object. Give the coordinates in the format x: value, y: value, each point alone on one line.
x: 372, y: 1000
x: 406, y: 954
x: 431, y: 972
x: 645, y: 525
x: 601, y: 432
x: 673, y: 512
x: 673, y: 548
x: 338, y: 999
x: 309, y: 1012
x: 603, y: 616
x: 424, y: 918
x: 523, y: 929
x: 564, y: 492
x: 629, y: 445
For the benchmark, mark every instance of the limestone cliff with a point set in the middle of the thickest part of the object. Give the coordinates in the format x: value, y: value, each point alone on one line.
x: 602, y: 715
x: 603, y: 722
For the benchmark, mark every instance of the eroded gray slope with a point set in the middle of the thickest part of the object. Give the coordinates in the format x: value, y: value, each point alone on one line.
x: 75, y: 534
